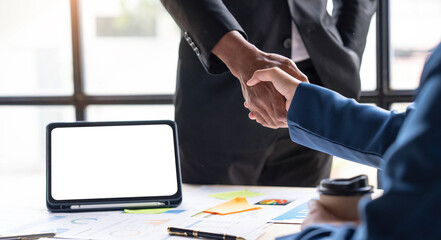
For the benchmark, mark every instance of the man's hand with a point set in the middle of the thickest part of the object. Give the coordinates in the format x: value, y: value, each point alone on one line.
x: 284, y: 83
x: 266, y: 104
x: 319, y: 214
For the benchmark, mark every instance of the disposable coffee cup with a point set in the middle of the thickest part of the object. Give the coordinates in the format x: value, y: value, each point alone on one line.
x: 341, y: 196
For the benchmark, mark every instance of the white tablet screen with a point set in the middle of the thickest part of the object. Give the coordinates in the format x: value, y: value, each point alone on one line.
x: 113, y: 162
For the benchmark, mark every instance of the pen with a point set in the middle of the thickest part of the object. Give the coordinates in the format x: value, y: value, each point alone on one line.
x: 195, y: 233
x: 28, y: 236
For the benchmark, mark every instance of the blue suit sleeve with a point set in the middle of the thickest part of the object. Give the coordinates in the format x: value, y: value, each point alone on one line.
x: 409, y: 207
x: 324, y: 120
x: 323, y: 232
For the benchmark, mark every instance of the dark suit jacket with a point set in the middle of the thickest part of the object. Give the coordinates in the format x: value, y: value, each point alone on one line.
x: 208, y: 105
x: 335, y: 43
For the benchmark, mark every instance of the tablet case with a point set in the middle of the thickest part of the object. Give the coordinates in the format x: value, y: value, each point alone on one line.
x: 110, y: 203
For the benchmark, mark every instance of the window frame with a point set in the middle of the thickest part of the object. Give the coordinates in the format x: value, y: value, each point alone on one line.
x: 384, y: 96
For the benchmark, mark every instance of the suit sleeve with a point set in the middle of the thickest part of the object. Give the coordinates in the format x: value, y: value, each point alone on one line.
x: 352, y: 19
x: 326, y: 121
x: 409, y: 207
x: 203, y: 23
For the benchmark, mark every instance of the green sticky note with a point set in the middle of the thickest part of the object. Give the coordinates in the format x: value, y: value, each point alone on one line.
x: 147, y: 211
x: 231, y: 195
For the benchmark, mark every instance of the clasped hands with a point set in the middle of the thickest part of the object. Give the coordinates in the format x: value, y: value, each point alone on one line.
x: 268, y: 80
x: 268, y: 83
x: 282, y: 87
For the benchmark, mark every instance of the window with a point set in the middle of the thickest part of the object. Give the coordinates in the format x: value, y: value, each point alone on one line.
x: 35, y: 48
x: 402, y: 46
x: 138, y: 40
x: 129, y: 112
x: 80, y: 60
x: 410, y: 41
x: 67, y: 60
x: 35, y: 74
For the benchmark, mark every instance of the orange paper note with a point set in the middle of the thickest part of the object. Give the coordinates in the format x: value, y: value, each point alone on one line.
x: 235, y: 205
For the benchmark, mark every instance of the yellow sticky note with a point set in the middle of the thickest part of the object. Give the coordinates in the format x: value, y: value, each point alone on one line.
x: 147, y: 211
x: 231, y: 195
x: 235, y: 205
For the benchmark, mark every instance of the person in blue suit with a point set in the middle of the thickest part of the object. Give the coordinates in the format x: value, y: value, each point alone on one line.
x: 407, y: 146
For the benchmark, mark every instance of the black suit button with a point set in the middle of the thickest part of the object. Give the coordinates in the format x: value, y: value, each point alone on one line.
x: 287, y: 43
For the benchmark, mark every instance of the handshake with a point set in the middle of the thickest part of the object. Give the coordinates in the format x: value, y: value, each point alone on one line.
x: 272, y: 114
x: 268, y: 80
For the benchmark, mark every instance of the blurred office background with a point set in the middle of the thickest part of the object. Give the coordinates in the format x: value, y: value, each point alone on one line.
x: 64, y: 60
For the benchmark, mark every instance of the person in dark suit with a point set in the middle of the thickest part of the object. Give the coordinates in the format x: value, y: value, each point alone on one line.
x: 405, y: 145
x: 232, y: 39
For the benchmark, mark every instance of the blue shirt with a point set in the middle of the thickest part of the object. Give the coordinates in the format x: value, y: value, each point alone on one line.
x: 407, y: 146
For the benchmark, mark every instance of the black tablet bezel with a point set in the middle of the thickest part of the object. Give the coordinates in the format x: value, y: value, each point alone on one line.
x: 65, y: 205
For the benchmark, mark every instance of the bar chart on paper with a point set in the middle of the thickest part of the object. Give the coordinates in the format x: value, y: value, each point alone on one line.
x: 295, y: 215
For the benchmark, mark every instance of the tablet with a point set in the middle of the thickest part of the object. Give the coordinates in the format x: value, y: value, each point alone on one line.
x: 112, y: 165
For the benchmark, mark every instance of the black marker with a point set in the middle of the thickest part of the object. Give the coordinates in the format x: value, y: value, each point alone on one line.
x: 28, y: 236
x: 199, y: 234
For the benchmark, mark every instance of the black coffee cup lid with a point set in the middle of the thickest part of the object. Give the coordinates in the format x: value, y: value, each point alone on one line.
x: 357, y: 185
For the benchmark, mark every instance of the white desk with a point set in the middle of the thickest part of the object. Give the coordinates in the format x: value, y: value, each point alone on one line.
x: 275, y: 230
x: 24, y: 191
